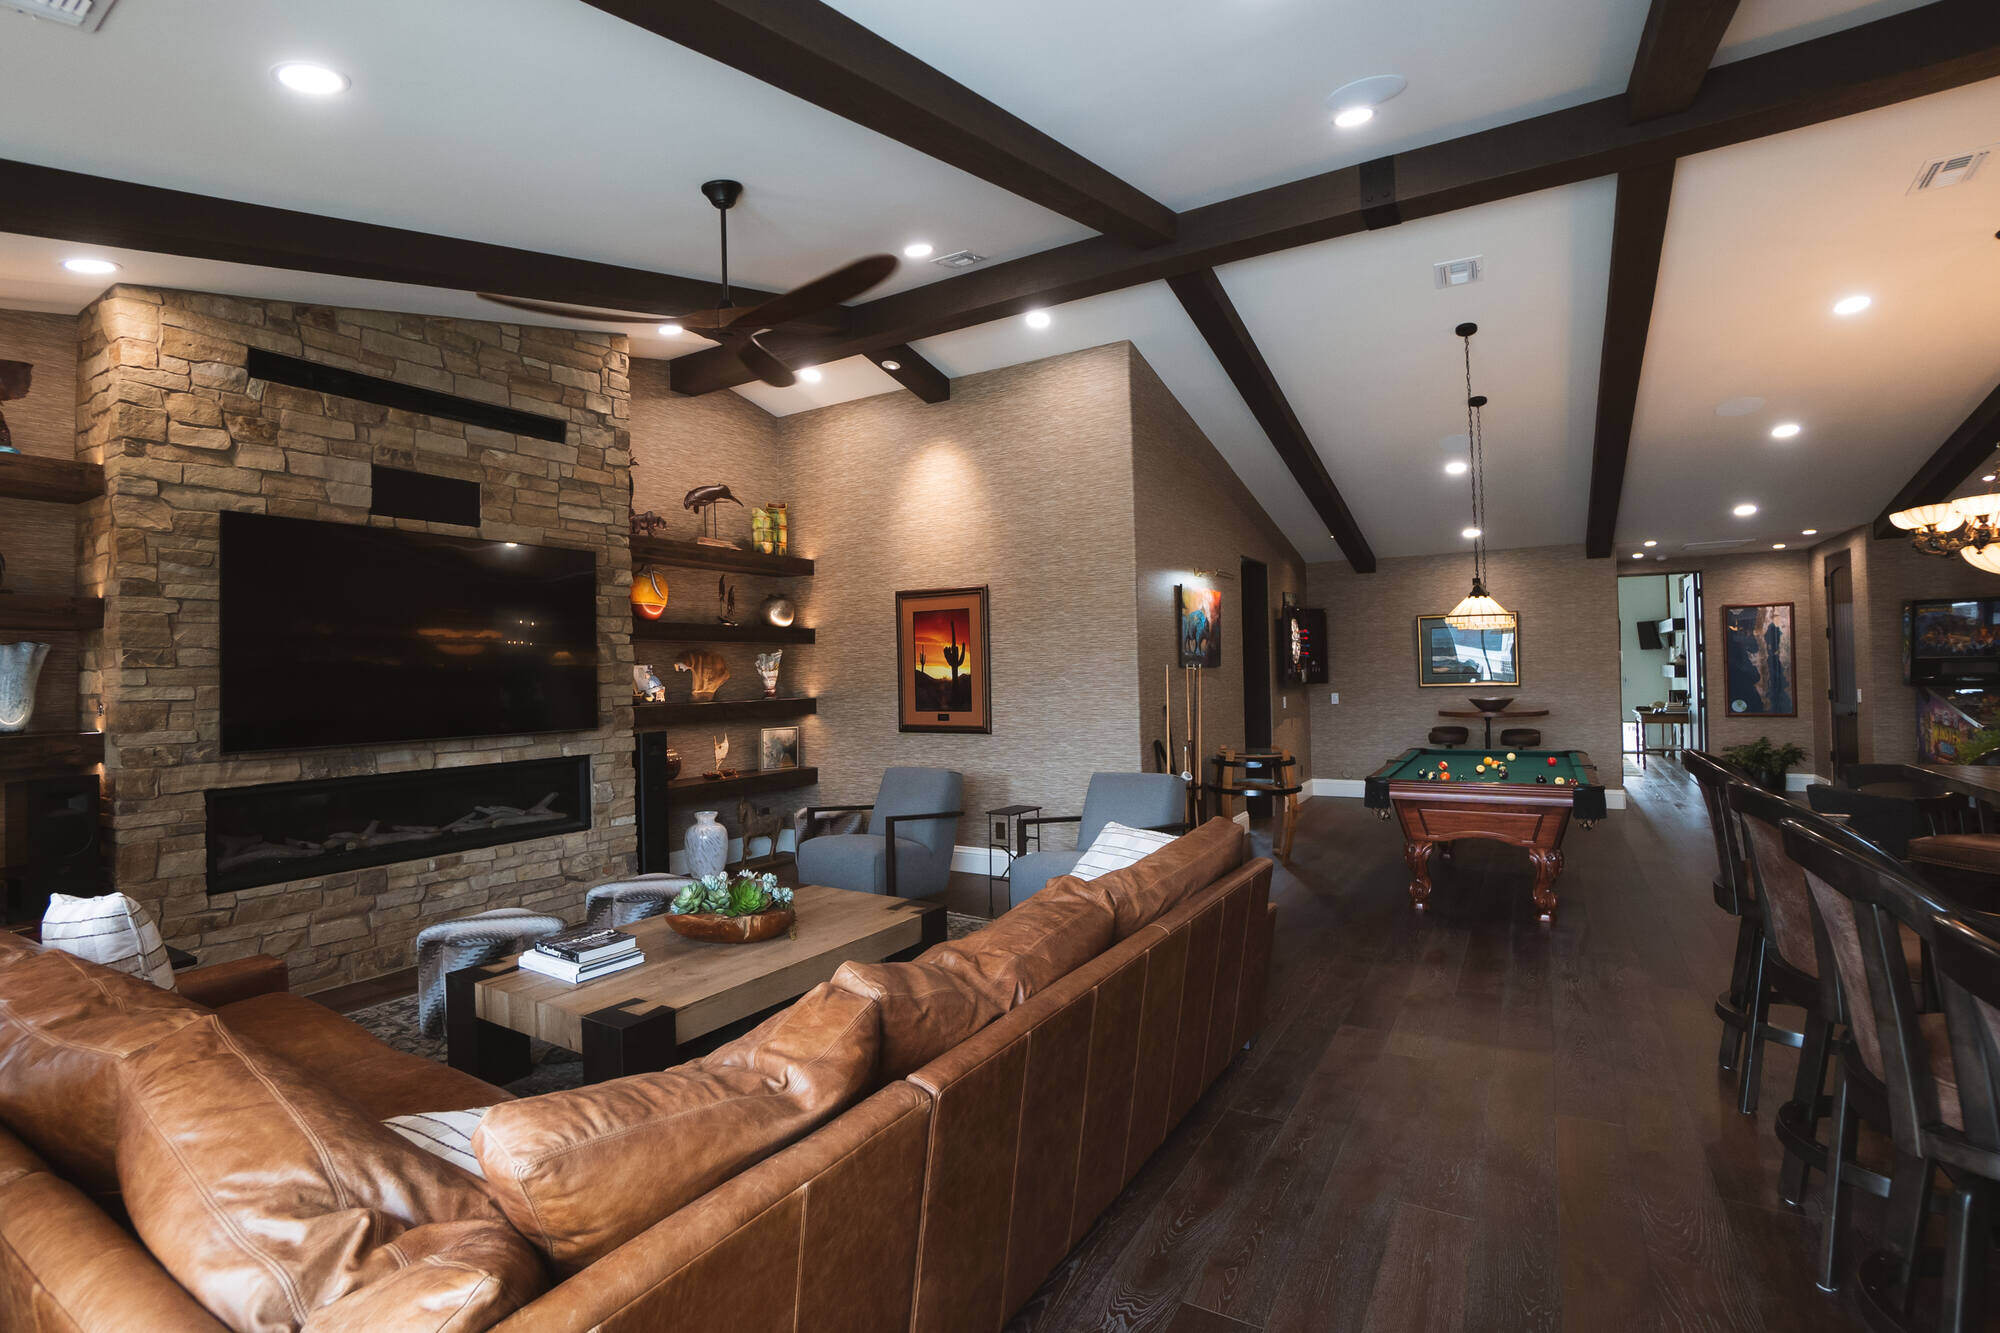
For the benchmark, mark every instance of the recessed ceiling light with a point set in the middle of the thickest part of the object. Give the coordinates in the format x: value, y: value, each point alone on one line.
x: 918, y: 250
x: 1037, y: 319
x: 1638, y: 555
x: 312, y: 80
x: 1777, y: 546
x: 1649, y: 543
x: 1852, y: 305
x: 811, y: 375
x: 1808, y: 532
x: 1990, y: 476
x: 1455, y: 468
x: 892, y: 365
x: 1469, y: 533
x: 94, y: 267
x: 1785, y: 430
x: 1738, y: 407
x: 1744, y: 510
x: 1354, y: 104
x: 671, y: 330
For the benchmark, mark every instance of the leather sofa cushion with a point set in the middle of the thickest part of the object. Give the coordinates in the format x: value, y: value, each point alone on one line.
x: 583, y: 1171
x: 379, y: 1079
x: 268, y: 1196
x: 1152, y: 886
x: 1027, y: 949
x: 64, y: 1025
x: 926, y: 1008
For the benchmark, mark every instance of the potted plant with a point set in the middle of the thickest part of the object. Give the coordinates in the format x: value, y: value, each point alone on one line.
x: 716, y: 908
x: 1763, y: 763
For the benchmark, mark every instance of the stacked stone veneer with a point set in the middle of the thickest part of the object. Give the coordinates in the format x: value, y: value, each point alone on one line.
x: 183, y: 433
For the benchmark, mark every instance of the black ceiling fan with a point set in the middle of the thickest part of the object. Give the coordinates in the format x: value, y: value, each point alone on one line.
x: 740, y: 330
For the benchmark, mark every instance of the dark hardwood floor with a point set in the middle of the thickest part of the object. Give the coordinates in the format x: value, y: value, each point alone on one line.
x: 1467, y: 1120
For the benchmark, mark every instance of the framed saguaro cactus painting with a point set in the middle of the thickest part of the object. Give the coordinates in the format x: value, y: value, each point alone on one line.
x: 944, y: 658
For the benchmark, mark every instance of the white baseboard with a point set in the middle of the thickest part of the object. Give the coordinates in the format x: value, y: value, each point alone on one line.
x: 1614, y: 798
x: 1800, y: 781
x: 978, y: 860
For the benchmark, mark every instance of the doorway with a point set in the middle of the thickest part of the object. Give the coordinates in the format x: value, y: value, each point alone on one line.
x: 1661, y: 666
x: 1256, y: 641
x: 1843, y: 693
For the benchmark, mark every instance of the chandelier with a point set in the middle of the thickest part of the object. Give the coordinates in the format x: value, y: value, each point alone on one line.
x: 1968, y: 527
x: 1476, y: 610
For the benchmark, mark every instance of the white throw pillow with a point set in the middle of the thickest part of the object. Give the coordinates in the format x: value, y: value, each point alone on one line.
x: 448, y: 1134
x: 111, y: 930
x: 1116, y: 847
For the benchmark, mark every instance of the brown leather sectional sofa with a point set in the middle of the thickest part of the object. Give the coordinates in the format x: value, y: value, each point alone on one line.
x: 1021, y: 1078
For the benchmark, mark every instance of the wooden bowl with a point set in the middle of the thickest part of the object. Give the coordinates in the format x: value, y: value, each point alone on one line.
x: 1491, y: 703
x: 715, y: 928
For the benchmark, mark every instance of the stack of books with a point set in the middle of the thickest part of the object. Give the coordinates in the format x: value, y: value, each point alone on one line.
x: 582, y: 954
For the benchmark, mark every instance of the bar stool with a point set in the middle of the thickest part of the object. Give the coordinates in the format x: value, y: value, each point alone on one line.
x: 1734, y: 895
x: 1520, y: 738
x: 1450, y: 737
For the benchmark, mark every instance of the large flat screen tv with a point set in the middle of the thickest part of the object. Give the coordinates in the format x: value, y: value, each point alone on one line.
x: 1952, y: 642
x: 335, y: 634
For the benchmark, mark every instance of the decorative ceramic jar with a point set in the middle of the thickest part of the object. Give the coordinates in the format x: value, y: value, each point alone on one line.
x: 20, y: 668
x: 673, y: 763
x: 706, y: 845
x: 649, y: 593
x: 779, y: 611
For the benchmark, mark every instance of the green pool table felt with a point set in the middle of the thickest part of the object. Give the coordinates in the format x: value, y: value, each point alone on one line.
x: 1524, y: 768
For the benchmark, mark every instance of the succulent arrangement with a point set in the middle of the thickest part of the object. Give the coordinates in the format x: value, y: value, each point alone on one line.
x: 747, y: 895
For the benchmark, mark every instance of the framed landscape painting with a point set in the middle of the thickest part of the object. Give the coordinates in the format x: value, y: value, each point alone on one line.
x: 944, y: 656
x: 1198, y: 626
x: 1759, y: 667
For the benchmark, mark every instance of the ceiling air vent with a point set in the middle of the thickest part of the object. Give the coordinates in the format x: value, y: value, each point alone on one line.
x: 1940, y: 172
x: 82, y: 14
x: 1716, y: 546
x: 1459, y: 272
x: 959, y: 259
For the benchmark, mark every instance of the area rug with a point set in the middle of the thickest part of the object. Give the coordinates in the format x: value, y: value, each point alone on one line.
x: 394, y: 1022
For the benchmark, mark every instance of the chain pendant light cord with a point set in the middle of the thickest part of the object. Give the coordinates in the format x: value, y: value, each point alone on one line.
x: 1475, y: 456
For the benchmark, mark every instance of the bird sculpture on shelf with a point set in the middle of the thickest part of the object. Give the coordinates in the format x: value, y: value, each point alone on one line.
x: 702, y: 501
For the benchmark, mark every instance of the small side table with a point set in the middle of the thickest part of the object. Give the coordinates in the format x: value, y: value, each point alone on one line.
x: 1003, y: 834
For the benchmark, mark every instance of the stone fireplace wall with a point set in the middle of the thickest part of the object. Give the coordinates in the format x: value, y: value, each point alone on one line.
x: 183, y: 433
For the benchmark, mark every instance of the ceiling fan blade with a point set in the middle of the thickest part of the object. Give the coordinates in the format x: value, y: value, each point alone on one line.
x: 561, y: 311
x: 762, y: 364
x: 822, y: 292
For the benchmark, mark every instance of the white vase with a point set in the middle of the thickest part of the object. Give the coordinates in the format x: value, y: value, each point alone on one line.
x: 706, y: 845
x: 20, y: 668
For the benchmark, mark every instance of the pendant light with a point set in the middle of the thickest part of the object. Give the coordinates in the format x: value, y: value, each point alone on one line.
x: 1477, y: 610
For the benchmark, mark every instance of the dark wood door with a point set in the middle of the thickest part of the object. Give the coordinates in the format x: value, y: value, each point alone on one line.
x: 1843, y: 691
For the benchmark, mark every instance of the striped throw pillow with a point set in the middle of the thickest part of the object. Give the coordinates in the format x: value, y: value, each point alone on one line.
x: 110, y: 930
x: 1116, y: 847
x: 448, y: 1134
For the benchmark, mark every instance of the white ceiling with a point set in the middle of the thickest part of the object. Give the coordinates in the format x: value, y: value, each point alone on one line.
x: 548, y: 125
x: 1762, y: 240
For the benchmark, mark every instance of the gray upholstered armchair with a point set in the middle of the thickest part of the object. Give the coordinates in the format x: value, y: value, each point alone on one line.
x: 916, y: 812
x: 1136, y: 800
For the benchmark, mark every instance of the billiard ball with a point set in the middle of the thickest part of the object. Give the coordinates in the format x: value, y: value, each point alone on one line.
x: 1444, y: 766
x: 1511, y: 756
x: 1552, y: 761
x: 1559, y: 782
x: 1543, y: 780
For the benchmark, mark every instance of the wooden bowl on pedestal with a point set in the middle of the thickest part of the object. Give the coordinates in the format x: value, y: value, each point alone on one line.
x: 715, y: 928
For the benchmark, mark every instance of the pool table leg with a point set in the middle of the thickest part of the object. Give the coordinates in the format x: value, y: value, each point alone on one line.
x: 1417, y: 855
x: 1548, y: 862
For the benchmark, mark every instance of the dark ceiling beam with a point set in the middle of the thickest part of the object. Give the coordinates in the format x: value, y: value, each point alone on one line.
x: 1967, y: 450
x: 1675, y: 51
x: 93, y: 210
x: 817, y: 54
x: 1921, y: 51
x: 1208, y: 305
x: 1638, y: 228
x: 902, y: 364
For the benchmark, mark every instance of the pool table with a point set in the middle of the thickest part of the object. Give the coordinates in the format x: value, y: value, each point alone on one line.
x: 1529, y: 806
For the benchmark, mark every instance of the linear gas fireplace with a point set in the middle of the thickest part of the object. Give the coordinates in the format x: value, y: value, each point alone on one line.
x: 299, y: 830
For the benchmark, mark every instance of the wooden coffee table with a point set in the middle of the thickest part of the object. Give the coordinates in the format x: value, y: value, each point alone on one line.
x: 637, y: 1020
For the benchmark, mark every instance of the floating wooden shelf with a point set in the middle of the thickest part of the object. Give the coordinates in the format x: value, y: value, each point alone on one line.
x: 40, y: 754
x: 693, y: 555
x: 697, y: 788
x: 33, y: 610
x: 695, y: 631
x: 653, y: 717
x: 26, y: 477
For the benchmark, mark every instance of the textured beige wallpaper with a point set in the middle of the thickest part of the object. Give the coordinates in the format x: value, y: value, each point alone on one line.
x: 1569, y: 653
x: 1194, y: 513
x: 39, y: 540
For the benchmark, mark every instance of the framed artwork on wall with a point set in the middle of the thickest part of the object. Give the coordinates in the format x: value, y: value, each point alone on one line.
x: 1758, y: 655
x: 1455, y: 658
x: 778, y: 747
x: 1198, y: 626
x: 1302, y: 647
x: 944, y: 661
